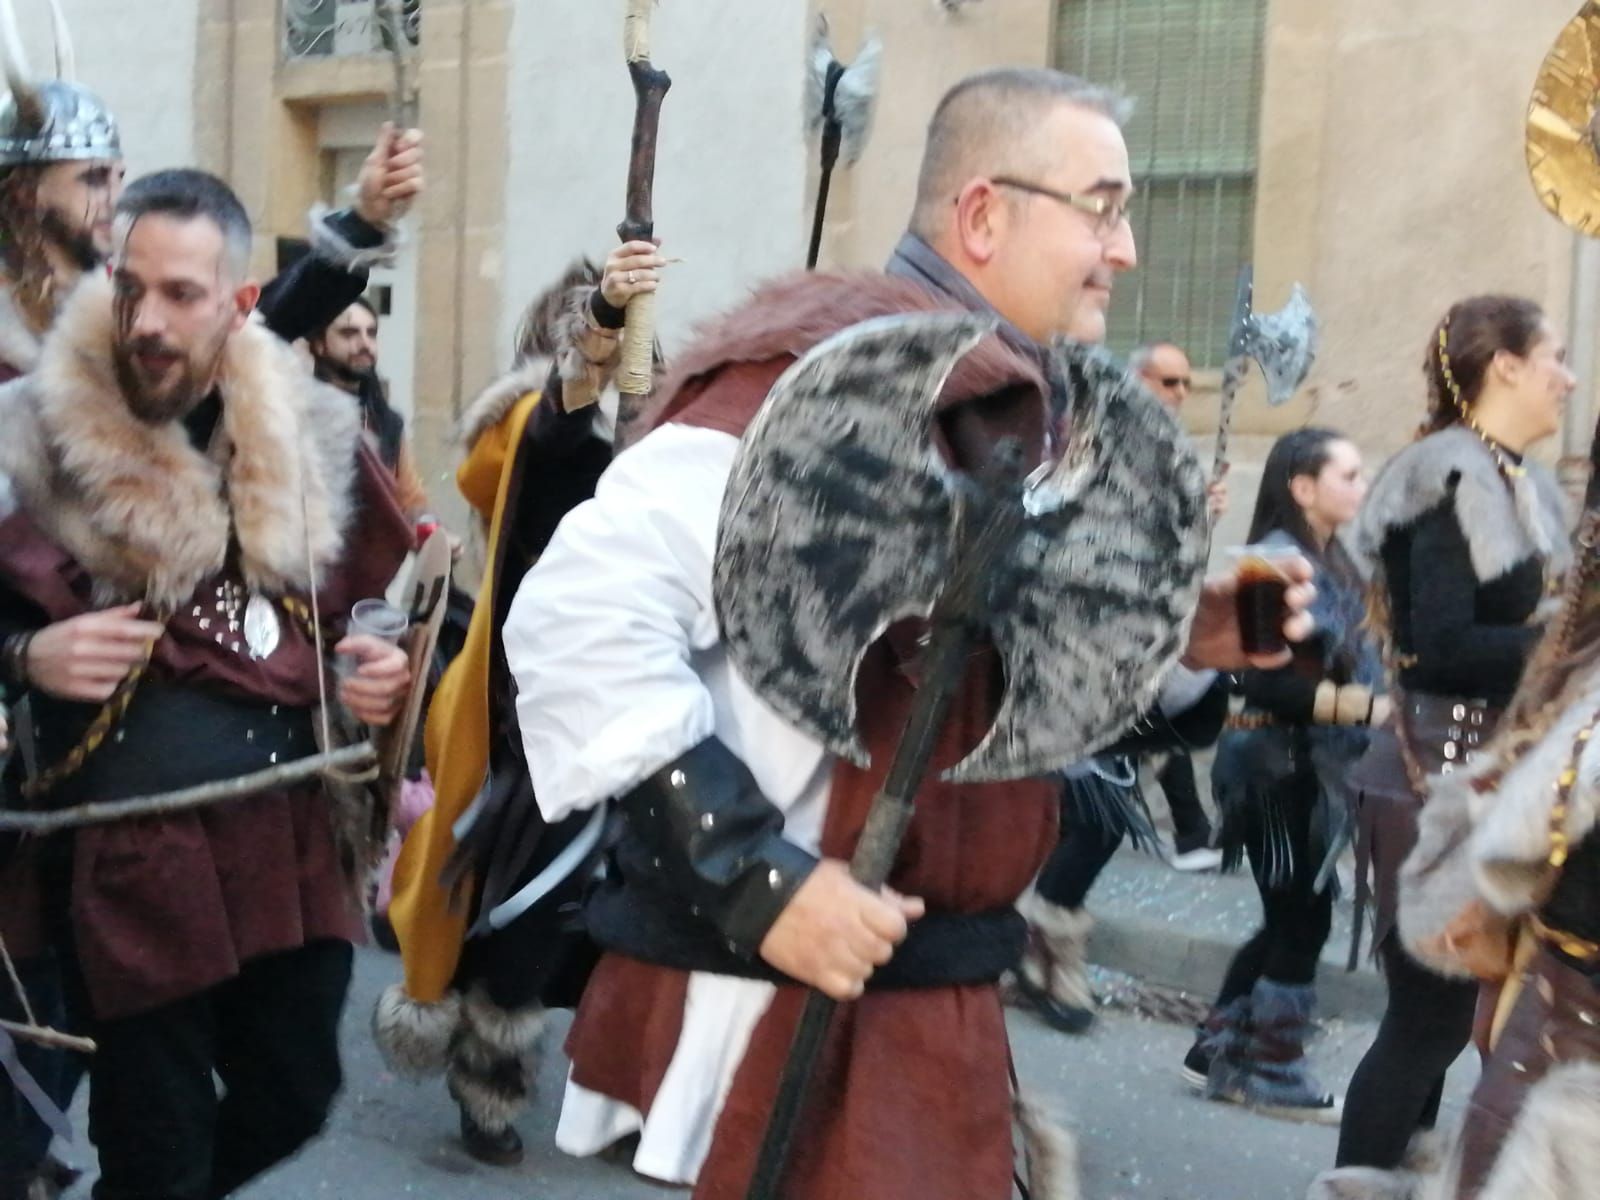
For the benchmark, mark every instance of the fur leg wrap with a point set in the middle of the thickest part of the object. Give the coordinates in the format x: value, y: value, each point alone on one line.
x: 1050, y: 1153
x: 414, y: 1038
x: 1416, y: 1178
x: 1057, y: 958
x: 493, y: 1061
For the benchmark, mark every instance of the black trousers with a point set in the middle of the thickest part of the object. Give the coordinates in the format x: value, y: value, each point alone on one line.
x: 270, y: 1035
x: 1295, y: 918
x: 1191, y: 830
x: 1086, y: 846
x: 1397, y: 1088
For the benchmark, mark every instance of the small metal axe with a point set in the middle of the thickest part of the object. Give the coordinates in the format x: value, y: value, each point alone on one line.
x: 1283, y: 344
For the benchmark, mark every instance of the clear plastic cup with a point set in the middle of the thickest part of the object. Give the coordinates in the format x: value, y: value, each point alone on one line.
x: 1262, y: 599
x: 375, y: 618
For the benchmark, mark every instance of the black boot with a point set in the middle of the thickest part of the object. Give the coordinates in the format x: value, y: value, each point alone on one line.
x: 490, y: 1075
x: 1267, y: 1069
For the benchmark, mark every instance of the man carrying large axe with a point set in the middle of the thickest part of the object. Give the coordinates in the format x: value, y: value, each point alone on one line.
x: 742, y: 772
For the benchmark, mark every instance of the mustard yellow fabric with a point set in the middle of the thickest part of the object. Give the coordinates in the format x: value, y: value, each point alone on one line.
x: 456, y: 739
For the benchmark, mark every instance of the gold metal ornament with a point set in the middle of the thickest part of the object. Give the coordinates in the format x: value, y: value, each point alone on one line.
x: 1564, y: 124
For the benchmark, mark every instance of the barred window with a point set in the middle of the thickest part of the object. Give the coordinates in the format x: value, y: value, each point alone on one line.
x: 1194, y: 69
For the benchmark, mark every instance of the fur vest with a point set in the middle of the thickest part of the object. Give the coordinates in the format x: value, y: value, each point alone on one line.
x: 1503, y: 526
x: 143, y: 511
x: 19, y: 344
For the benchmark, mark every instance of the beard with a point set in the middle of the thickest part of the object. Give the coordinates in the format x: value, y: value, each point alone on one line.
x: 331, y: 370
x: 172, y: 392
x: 76, y: 242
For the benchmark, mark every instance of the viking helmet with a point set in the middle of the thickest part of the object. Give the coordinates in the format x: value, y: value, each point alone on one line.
x: 52, y: 121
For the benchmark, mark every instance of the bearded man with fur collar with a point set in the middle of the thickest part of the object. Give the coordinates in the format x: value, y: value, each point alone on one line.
x: 177, y: 490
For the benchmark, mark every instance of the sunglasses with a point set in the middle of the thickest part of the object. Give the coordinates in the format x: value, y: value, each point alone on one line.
x: 1177, y: 381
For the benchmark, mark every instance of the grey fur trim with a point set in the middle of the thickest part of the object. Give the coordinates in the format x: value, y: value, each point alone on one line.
x: 492, y: 404
x: 507, y: 1031
x: 1050, y: 1152
x: 19, y: 344
x: 328, y: 244
x: 1436, y: 883
x: 493, y: 1060
x: 1366, y: 1183
x: 1501, y: 530
x: 414, y: 1038
x: 1552, y: 1150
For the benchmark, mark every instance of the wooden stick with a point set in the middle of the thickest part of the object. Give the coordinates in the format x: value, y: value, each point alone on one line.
x: 53, y: 1038
x: 168, y: 803
x: 636, y: 373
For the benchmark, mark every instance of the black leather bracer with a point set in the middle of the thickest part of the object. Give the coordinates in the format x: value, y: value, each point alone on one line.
x: 718, y: 843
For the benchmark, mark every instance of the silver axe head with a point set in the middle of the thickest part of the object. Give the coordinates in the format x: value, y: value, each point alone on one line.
x: 1283, y: 344
x: 839, y: 521
x: 854, y: 94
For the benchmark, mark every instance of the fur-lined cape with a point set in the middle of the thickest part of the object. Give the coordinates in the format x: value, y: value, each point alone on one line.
x: 1503, y: 526
x: 144, y: 512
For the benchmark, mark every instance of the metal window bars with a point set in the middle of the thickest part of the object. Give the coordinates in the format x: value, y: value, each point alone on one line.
x: 337, y: 28
x: 1194, y: 69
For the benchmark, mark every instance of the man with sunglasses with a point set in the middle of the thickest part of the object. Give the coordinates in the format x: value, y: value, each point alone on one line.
x: 1165, y: 370
x: 731, y: 883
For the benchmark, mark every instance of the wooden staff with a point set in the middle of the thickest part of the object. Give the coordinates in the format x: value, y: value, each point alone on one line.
x: 273, y: 779
x: 637, y: 371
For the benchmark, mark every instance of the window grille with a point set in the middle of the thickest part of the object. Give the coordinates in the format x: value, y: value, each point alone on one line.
x: 1194, y: 69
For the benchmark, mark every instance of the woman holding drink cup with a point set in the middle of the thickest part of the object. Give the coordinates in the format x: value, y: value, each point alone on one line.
x: 1280, y: 773
x: 1466, y: 539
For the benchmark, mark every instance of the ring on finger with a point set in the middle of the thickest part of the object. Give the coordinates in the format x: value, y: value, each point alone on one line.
x: 630, y: 276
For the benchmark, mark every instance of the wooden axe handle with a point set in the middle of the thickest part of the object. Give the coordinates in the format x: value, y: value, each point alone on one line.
x: 636, y: 373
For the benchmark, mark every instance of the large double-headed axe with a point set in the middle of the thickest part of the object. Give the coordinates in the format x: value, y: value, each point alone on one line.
x: 1283, y: 344
x: 842, y: 519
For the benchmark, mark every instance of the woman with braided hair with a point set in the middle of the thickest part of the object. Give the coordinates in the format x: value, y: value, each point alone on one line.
x: 1465, y: 539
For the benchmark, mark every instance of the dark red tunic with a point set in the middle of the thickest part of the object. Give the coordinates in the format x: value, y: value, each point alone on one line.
x: 165, y: 907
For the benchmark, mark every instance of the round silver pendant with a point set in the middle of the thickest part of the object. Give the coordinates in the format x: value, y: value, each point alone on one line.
x: 261, y: 628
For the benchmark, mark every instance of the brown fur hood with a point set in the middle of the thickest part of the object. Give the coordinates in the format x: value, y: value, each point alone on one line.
x: 788, y: 316
x: 138, y: 506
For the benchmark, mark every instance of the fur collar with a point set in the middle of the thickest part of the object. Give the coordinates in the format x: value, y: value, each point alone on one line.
x: 788, y: 316
x: 500, y: 397
x: 143, y: 511
x: 1503, y: 526
x: 19, y: 344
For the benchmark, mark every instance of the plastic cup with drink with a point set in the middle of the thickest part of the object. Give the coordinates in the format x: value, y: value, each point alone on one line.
x: 1263, y: 596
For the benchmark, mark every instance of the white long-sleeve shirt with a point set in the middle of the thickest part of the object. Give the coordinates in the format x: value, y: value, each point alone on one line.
x: 614, y: 644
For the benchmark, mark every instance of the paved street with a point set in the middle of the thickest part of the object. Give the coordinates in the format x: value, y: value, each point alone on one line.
x: 1143, y: 1137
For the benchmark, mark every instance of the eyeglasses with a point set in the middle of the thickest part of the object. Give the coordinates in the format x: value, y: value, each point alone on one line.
x: 1174, y: 382
x: 1108, y: 214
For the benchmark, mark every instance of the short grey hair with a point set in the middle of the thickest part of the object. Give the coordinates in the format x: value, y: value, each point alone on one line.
x: 1145, y: 354
x: 187, y: 195
x: 984, y: 126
